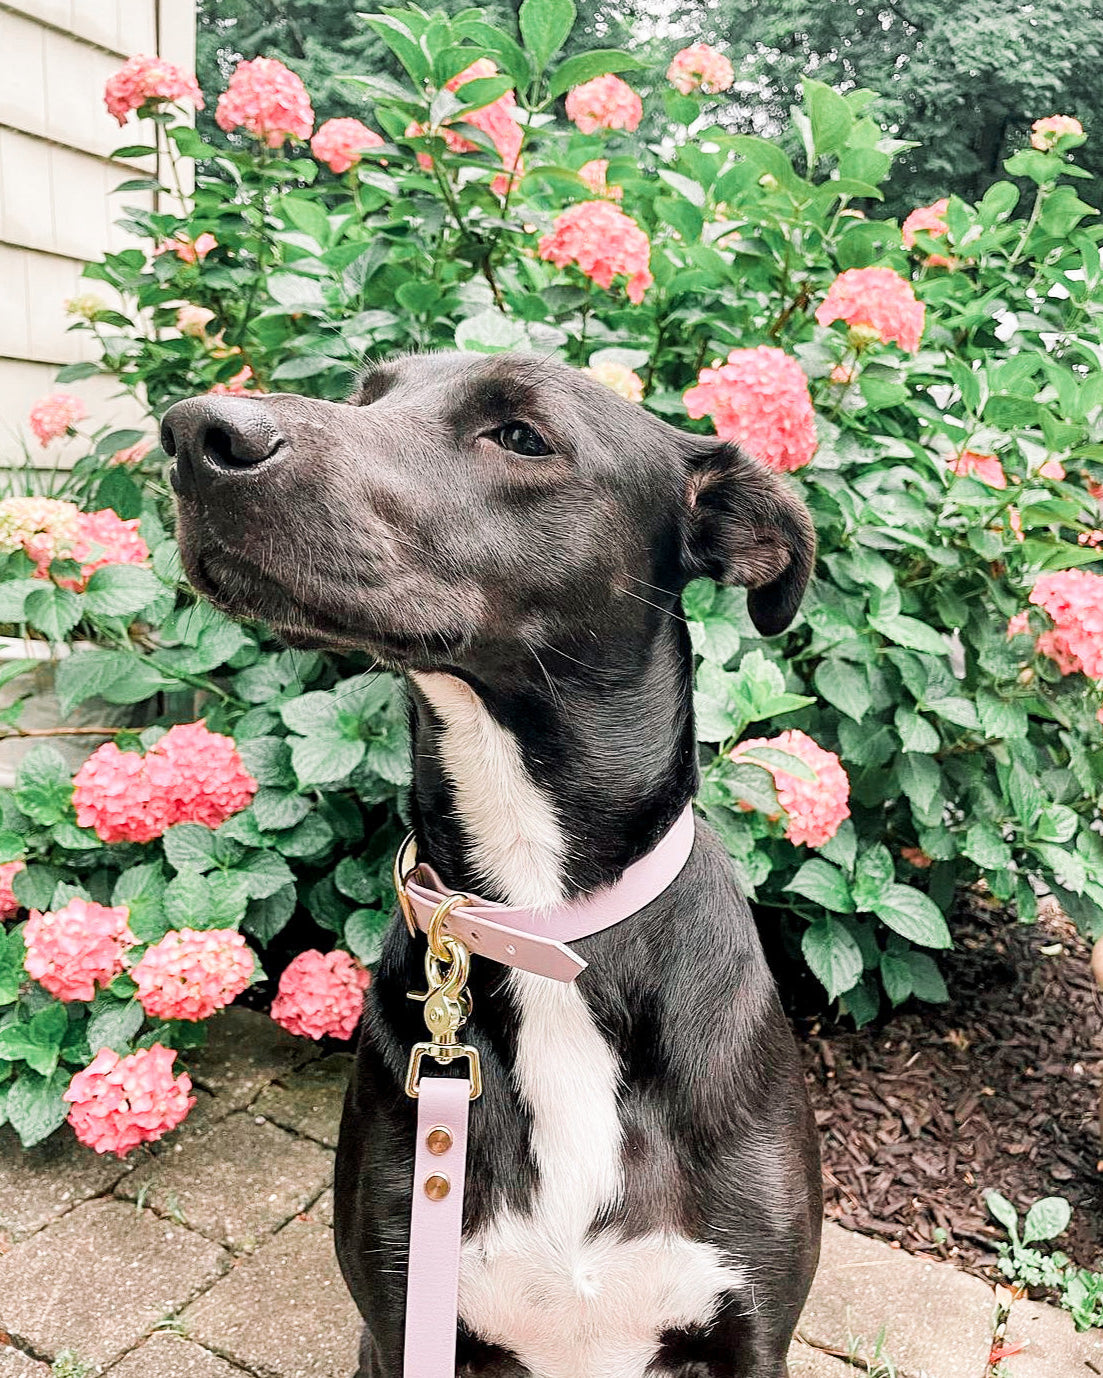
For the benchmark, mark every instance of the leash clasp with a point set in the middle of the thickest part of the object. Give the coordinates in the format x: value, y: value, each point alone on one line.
x: 447, y: 1002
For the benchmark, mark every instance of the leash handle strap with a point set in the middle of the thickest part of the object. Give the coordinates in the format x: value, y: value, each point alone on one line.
x: 436, y: 1220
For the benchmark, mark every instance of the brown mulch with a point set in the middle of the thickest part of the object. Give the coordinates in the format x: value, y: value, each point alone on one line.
x: 998, y: 1089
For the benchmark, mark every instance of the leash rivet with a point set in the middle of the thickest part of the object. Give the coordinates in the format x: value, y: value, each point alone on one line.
x: 437, y: 1187
x: 438, y: 1140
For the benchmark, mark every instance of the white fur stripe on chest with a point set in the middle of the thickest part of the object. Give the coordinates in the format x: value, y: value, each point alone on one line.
x: 516, y: 843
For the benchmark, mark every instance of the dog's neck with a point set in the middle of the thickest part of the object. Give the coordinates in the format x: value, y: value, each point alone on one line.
x: 540, y: 778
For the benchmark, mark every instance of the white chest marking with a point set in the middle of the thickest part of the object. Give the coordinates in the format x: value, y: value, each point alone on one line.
x: 567, y: 1304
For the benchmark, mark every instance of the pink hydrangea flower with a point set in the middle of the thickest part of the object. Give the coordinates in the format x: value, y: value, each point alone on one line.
x: 105, y: 539
x: 72, y: 950
x: 267, y: 99
x: 1052, y: 468
x: 9, y: 905
x: 191, y: 973
x: 594, y: 173
x: 931, y: 219
x: 985, y: 468
x: 759, y: 398
x: 876, y: 300
x: 45, y: 528
x: 121, y: 1102
x: 191, y: 775
x: 495, y: 120
x: 320, y: 994
x: 340, y: 143
x: 604, y: 103
x: 619, y: 377
x: 188, y: 250
x: 148, y: 81
x: 700, y: 67
x: 841, y: 375
x: 200, y: 774
x: 132, y: 455
x: 1094, y: 539
x: 1074, y: 600
x: 1045, y: 133
x: 604, y: 243
x: 815, y: 810
x: 53, y: 416
x: 239, y: 385
x: 1018, y: 624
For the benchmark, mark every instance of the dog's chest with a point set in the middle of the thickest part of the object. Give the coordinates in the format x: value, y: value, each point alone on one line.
x: 571, y: 1303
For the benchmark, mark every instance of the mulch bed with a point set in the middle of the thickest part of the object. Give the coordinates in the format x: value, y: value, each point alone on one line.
x: 921, y: 1115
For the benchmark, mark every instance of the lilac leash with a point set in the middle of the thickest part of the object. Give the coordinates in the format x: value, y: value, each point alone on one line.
x: 533, y: 940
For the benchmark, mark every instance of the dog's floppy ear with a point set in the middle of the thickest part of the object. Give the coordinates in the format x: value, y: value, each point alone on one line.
x: 746, y: 527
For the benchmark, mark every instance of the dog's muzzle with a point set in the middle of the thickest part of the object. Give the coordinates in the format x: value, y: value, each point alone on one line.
x: 217, y: 439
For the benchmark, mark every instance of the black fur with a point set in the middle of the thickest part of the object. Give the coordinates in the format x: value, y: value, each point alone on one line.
x: 551, y: 585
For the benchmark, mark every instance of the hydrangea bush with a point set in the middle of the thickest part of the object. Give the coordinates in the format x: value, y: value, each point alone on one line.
x: 934, y: 389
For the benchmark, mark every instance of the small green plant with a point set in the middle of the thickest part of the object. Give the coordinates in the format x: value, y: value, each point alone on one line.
x: 69, y: 1365
x: 1079, y: 1290
x: 877, y: 1363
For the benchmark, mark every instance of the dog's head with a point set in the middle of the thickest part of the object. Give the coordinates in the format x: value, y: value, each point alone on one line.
x: 460, y: 504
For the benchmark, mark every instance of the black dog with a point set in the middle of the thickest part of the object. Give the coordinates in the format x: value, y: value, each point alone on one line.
x: 643, y: 1181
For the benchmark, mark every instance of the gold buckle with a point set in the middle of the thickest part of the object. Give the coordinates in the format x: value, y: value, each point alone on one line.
x: 444, y: 1053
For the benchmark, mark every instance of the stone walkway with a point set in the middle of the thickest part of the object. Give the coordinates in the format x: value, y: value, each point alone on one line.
x: 211, y: 1255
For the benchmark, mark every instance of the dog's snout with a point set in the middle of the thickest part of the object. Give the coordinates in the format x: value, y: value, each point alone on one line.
x: 208, y: 436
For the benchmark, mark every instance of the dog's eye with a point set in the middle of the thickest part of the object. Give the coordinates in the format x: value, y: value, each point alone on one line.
x: 520, y: 439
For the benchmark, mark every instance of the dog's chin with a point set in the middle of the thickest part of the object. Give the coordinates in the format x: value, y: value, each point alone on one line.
x: 249, y: 595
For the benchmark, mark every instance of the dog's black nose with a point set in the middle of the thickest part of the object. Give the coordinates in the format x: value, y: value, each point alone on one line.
x: 209, y: 436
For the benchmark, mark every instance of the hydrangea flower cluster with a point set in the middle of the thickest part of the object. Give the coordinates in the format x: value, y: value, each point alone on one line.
x: 759, y: 398
x: 121, y: 1102
x: 700, y: 67
x: 9, y: 904
x: 604, y: 103
x: 191, y: 775
x: 105, y: 538
x: 45, y: 528
x: 320, y: 994
x: 985, y: 468
x: 188, y: 250
x: 594, y: 173
x: 815, y: 810
x: 340, y: 143
x: 72, y: 950
x: 147, y: 81
x: 192, y: 973
x: 604, y: 243
x: 878, y: 301
x: 495, y: 120
x: 1074, y: 600
x: 266, y: 99
x: 932, y: 220
x: 53, y: 416
x: 1045, y: 133
x: 619, y: 377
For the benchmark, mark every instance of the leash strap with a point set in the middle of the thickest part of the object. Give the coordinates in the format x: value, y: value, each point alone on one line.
x: 436, y: 1219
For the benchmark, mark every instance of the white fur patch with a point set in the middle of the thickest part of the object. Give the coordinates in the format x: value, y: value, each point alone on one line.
x: 516, y: 842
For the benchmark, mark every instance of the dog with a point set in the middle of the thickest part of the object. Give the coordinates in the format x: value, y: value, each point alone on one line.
x: 643, y: 1191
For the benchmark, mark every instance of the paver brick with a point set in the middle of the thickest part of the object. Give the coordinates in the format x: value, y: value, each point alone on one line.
x: 237, y: 1182
x: 99, y: 1278
x: 39, y: 1184
x: 309, y: 1101
x: 284, y: 1312
x: 245, y: 1051
x: 806, y: 1362
x: 936, y: 1322
x: 15, y: 1364
x: 1054, y: 1349
x: 167, y: 1354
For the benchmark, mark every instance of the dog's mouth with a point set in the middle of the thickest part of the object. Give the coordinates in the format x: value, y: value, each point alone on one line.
x: 243, y: 590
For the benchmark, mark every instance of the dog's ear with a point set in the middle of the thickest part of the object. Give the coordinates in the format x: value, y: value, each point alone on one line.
x: 746, y: 527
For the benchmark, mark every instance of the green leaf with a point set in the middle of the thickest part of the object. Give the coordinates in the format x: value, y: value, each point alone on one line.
x: 927, y: 982
x: 43, y: 785
x: 1004, y: 1211
x: 896, y: 977
x: 267, y: 759
x: 359, y: 881
x: 86, y: 674
x: 584, y: 67
x: 141, y: 889
x: 34, y: 1106
x: 121, y: 590
x: 910, y: 632
x: 320, y: 760
x: 1046, y: 1219
x: 829, y: 115
x: 489, y: 332
x: 276, y: 809
x: 38, y: 1042
x: 12, y: 845
x: 266, y: 917
x: 229, y: 897
x: 985, y: 846
x: 916, y: 733
x: 921, y: 780
x: 264, y: 873
x: 1057, y: 823
x: 823, y: 884
x: 872, y: 876
x: 913, y: 915
x: 13, y: 598
x: 774, y: 758
x: 364, y: 933
x: 114, y: 1024
x: 545, y: 25
x: 845, y: 686
x: 187, y: 901
x: 833, y: 956
x: 191, y: 847
x: 53, y: 611
x: 12, y: 973
x: 34, y: 886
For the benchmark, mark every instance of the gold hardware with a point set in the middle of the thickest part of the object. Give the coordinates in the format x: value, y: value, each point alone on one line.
x: 405, y: 863
x: 445, y: 1054
x: 437, y: 1187
x: 439, y: 1140
x: 447, y: 1003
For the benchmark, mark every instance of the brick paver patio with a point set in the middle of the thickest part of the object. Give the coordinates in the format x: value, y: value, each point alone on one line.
x: 211, y: 1255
